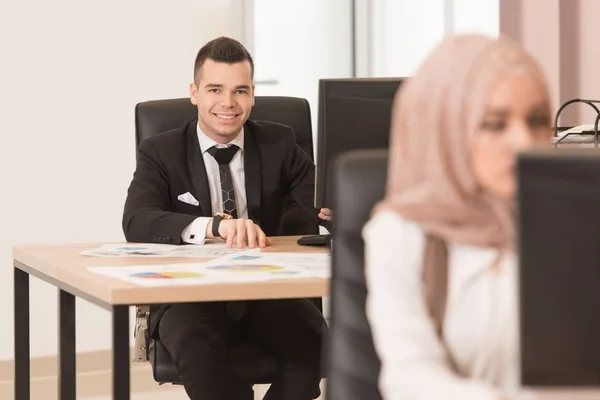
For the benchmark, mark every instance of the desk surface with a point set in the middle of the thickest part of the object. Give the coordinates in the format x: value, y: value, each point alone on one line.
x: 64, y: 264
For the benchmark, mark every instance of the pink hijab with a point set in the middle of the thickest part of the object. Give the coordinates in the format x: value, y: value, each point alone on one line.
x: 435, y: 116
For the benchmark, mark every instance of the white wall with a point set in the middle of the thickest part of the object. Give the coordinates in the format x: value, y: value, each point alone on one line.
x: 476, y: 16
x: 403, y: 32
x: 71, y: 72
x: 297, y: 43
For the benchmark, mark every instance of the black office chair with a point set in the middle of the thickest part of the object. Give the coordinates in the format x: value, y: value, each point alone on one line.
x: 357, y: 183
x: 248, y: 361
x: 153, y: 117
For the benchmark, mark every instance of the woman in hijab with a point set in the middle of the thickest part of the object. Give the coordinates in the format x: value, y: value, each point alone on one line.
x: 440, y: 260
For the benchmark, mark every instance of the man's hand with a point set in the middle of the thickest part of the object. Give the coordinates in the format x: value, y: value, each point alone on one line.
x: 243, y: 231
x: 326, y: 214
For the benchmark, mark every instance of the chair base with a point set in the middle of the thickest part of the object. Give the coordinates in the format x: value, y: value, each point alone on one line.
x: 247, y: 362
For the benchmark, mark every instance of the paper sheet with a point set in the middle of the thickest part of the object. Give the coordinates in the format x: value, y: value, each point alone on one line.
x: 207, y: 250
x: 316, y: 265
x: 577, y: 129
x: 247, y: 266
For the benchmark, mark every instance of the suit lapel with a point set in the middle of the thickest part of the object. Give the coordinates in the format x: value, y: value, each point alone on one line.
x: 198, y: 171
x: 252, y: 172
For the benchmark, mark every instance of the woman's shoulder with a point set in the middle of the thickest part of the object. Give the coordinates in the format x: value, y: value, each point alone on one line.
x: 392, y: 227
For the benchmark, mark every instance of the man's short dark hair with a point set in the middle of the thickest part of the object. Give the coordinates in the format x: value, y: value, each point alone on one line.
x: 223, y: 50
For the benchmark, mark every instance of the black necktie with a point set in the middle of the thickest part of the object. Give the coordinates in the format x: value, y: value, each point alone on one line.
x: 235, y: 309
x: 223, y: 156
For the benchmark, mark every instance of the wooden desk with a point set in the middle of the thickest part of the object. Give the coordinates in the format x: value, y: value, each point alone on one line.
x: 63, y: 267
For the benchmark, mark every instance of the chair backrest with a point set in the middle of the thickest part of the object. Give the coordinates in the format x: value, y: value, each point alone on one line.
x: 357, y: 183
x: 153, y: 117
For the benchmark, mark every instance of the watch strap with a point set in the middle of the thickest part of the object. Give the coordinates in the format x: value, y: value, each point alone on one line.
x: 215, y: 225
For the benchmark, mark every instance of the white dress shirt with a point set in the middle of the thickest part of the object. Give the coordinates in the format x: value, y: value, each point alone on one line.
x: 196, y: 231
x: 480, y: 325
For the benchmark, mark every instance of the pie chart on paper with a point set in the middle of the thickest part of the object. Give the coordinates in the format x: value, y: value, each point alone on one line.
x: 167, y: 275
x: 246, y: 268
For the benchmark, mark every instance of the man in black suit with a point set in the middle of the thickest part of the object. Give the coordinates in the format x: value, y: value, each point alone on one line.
x: 225, y: 176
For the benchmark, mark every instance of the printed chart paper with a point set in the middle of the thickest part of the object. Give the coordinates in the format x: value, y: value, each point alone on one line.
x: 207, y: 250
x: 246, y: 266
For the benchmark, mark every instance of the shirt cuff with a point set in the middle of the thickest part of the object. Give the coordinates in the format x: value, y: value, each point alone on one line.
x: 195, y: 233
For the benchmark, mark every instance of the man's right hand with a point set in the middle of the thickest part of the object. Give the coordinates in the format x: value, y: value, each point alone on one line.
x: 244, y: 232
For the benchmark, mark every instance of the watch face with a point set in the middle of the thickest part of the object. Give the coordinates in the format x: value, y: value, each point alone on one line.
x: 224, y: 216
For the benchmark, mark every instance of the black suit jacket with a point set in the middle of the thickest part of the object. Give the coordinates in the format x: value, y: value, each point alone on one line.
x: 171, y: 163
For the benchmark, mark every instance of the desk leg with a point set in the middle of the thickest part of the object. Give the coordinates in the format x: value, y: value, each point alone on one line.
x: 121, y: 385
x: 22, y: 340
x: 66, y: 346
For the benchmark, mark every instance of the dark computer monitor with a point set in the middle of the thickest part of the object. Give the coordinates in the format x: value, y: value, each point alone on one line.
x: 354, y: 114
x: 559, y: 257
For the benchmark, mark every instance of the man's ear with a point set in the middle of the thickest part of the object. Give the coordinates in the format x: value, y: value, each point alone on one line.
x: 253, y: 98
x: 193, y: 93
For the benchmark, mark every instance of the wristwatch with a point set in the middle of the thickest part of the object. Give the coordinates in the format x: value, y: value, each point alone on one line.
x: 217, y: 221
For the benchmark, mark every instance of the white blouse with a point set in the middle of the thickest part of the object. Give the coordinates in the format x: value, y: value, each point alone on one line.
x: 480, y: 325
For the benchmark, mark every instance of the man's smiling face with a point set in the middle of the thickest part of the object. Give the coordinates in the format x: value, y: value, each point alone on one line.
x: 224, y: 94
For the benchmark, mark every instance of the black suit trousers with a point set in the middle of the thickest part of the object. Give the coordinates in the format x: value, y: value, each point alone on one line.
x: 198, y: 335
